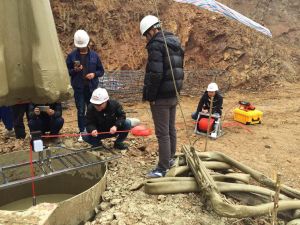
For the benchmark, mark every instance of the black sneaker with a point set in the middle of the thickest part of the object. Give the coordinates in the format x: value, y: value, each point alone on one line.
x: 120, y: 146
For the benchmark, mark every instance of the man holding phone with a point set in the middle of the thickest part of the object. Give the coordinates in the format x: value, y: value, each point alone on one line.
x: 45, y: 118
x: 85, y: 68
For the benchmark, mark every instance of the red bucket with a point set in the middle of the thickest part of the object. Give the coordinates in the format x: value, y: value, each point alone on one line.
x: 203, y: 124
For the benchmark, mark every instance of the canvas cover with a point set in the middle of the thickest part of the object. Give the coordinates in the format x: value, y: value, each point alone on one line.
x: 32, y: 66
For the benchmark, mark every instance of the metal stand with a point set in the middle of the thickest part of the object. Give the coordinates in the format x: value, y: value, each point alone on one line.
x: 217, y: 126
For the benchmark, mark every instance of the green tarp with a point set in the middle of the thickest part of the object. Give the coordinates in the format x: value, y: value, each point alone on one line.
x: 32, y: 66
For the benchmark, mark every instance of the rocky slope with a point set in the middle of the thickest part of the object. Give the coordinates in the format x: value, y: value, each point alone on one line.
x: 211, y: 41
x: 280, y: 16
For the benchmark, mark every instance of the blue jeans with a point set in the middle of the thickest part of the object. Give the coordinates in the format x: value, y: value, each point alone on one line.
x: 95, y: 141
x: 46, y: 124
x: 82, y: 100
x: 7, y: 117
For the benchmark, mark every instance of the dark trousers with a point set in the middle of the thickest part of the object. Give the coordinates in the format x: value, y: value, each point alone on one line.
x: 95, y: 141
x: 163, y: 114
x: 6, y: 117
x: 46, y: 124
x: 82, y: 100
x: 18, y: 114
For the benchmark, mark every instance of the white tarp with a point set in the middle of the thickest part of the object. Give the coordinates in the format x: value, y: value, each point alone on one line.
x: 215, y: 6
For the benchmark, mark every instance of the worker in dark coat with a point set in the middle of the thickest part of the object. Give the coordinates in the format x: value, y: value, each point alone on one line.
x: 45, y: 118
x: 85, y: 68
x: 205, y: 100
x: 106, y: 118
x: 163, y: 78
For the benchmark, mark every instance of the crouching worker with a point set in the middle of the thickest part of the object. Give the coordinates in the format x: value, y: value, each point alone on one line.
x: 204, y: 106
x: 204, y: 103
x: 46, y: 118
x: 108, y: 117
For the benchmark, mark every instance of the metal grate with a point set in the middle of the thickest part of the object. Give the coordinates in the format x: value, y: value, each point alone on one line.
x: 124, y: 85
x: 127, y: 85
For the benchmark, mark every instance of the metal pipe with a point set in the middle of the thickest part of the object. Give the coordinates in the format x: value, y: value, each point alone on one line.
x: 52, y: 157
x: 62, y: 162
x: 70, y: 161
x: 82, y: 158
x: 77, y: 160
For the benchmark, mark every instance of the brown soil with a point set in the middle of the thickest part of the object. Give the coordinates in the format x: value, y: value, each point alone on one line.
x: 211, y: 41
x: 263, y: 71
x: 270, y: 147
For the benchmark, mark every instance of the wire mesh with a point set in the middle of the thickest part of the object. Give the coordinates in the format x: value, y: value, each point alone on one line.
x: 124, y: 85
x: 127, y: 85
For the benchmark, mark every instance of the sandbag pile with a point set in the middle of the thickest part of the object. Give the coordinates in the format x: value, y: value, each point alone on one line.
x: 213, y: 175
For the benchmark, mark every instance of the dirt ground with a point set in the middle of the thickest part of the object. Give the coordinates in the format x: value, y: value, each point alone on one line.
x: 263, y: 71
x: 270, y: 147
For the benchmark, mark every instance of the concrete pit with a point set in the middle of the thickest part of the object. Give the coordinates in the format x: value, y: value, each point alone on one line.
x: 71, y: 196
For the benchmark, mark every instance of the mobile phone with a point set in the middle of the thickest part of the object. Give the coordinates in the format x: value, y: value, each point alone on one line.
x: 76, y: 63
x: 43, y: 108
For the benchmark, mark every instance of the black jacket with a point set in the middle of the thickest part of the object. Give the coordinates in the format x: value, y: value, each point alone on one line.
x: 43, y: 115
x: 158, y: 81
x: 204, y: 103
x: 113, y: 115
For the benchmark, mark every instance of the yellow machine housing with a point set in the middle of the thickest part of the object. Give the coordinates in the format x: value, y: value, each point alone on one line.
x: 247, y: 117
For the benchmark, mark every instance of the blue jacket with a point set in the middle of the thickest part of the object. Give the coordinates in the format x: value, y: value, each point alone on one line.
x: 94, y: 66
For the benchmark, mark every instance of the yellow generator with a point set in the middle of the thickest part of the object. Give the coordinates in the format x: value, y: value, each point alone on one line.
x: 247, y: 114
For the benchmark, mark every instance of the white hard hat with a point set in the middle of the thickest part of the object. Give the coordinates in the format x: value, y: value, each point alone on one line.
x: 99, y: 96
x: 212, y: 87
x: 81, y: 39
x: 147, y: 22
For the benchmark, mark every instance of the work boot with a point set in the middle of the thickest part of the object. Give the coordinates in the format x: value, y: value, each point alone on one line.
x: 120, y: 146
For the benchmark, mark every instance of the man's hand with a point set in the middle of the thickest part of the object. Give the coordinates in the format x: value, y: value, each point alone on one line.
x: 204, y: 110
x: 90, y: 76
x: 94, y: 133
x: 78, y: 68
x: 113, y: 130
x: 37, y: 111
x: 50, y: 112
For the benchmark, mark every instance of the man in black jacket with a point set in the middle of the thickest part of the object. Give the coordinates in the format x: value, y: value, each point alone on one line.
x: 108, y: 118
x: 45, y: 118
x: 164, y: 76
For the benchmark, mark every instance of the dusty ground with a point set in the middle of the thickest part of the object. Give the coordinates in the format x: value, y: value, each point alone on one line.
x: 270, y: 147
